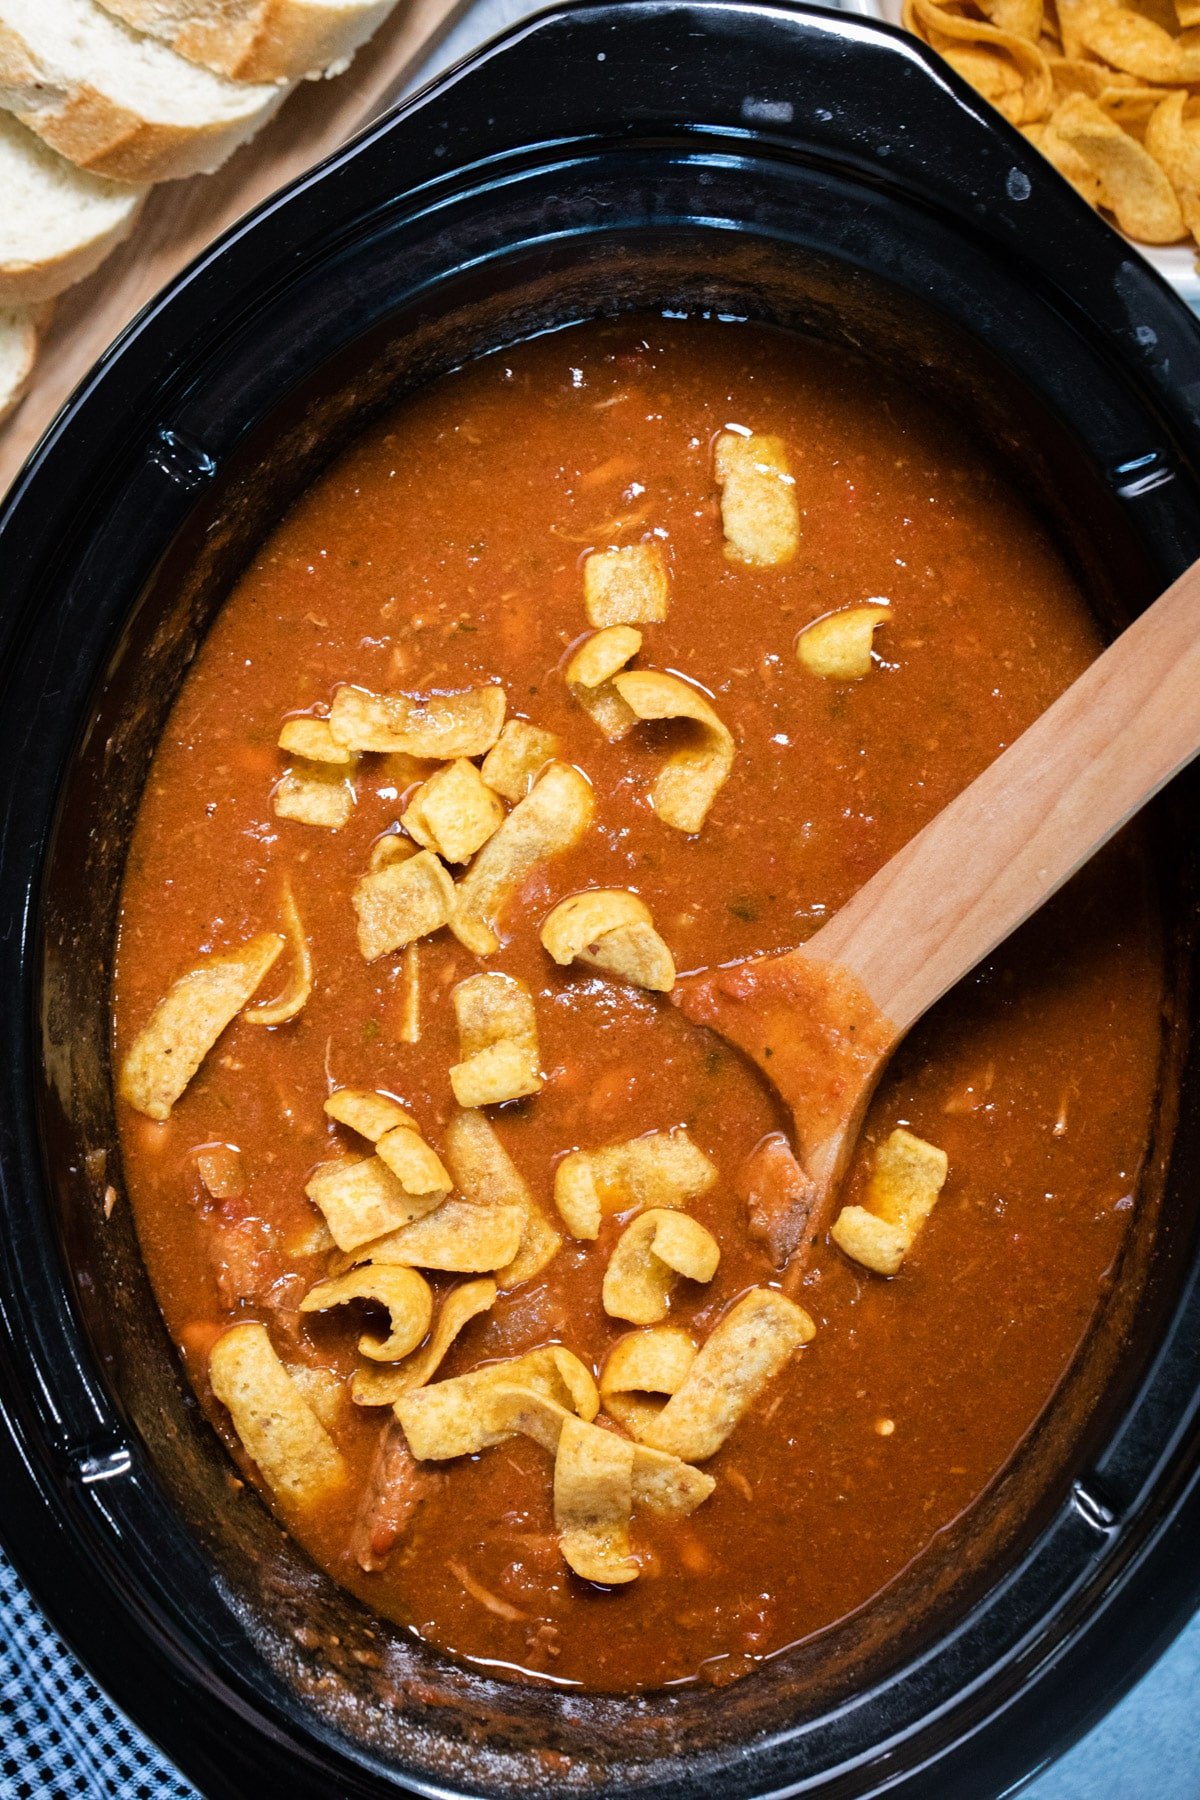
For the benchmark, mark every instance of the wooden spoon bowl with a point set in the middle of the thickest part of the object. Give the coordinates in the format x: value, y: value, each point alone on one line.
x: 821, y: 1022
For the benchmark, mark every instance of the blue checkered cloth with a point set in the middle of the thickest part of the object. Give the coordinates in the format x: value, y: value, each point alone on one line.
x: 60, y: 1738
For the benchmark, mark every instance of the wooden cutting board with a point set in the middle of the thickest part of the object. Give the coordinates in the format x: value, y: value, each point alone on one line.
x: 181, y: 217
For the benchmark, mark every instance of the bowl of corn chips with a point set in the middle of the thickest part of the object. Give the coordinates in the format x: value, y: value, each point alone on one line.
x: 1108, y: 91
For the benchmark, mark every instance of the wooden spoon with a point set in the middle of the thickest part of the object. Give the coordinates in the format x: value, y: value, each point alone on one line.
x: 822, y: 1022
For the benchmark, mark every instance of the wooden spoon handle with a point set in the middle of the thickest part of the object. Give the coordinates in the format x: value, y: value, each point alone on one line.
x: 1047, y: 803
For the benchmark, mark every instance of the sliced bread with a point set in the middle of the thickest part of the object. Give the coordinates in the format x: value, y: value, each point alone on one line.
x: 20, y: 329
x: 57, y: 223
x: 115, y: 102
x: 258, y: 40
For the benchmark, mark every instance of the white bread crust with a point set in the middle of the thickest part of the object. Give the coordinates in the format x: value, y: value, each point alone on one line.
x: 57, y: 223
x: 20, y: 334
x: 25, y: 283
x: 265, y: 40
x: 69, y: 110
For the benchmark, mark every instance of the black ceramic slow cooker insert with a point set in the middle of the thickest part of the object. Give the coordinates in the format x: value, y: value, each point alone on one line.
x: 786, y: 164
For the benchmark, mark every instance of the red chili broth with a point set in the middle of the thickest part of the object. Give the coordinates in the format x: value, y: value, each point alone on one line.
x: 445, y: 549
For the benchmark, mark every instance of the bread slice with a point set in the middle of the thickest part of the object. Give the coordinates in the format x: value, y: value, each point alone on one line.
x: 20, y: 329
x: 117, y: 103
x: 57, y: 223
x: 258, y: 40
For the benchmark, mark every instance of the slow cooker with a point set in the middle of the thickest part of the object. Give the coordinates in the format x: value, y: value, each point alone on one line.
x: 786, y: 164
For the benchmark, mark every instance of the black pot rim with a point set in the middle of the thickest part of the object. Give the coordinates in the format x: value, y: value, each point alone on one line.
x: 991, y: 185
